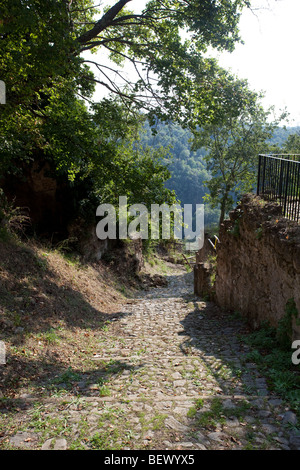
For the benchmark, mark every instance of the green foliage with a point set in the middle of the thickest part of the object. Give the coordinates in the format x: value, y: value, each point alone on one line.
x: 281, y: 136
x: 44, y: 42
x: 233, y: 147
x: 259, y: 233
x: 13, y: 220
x: 285, y: 324
x: 94, y: 148
x: 235, y: 231
x: 292, y: 144
x: 272, y: 353
x: 217, y: 413
x: 187, y: 168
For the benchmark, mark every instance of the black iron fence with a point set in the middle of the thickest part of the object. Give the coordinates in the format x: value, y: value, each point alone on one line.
x: 279, y: 181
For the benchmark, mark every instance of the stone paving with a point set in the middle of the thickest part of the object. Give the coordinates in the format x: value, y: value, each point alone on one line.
x: 178, y: 380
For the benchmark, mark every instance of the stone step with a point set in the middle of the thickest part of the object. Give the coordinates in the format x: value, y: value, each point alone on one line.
x: 72, y: 399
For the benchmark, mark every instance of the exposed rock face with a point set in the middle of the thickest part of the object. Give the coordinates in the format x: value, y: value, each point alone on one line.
x: 202, y: 280
x: 203, y: 270
x: 45, y: 200
x: 258, y: 263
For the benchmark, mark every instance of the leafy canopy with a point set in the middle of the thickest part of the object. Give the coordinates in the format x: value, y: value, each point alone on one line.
x: 51, y: 77
x: 233, y: 148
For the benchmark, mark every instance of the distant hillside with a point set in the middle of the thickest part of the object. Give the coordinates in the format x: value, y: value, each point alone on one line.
x: 187, y: 167
x: 281, y: 134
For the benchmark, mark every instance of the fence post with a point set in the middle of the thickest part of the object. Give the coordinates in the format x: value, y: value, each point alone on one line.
x: 258, y: 176
x: 278, y: 179
x: 286, y: 187
x: 264, y: 174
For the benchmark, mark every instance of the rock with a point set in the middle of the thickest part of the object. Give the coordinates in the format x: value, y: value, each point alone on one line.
x: 289, y: 418
x: 19, y: 330
x: 232, y: 422
x: 217, y: 436
x: 168, y: 444
x: 47, y: 445
x: 82, y: 385
x: 249, y: 419
x: 179, y: 383
x: 26, y: 395
x: 281, y: 440
x: 176, y: 425
x: 180, y: 410
x: 177, y: 375
x: 201, y: 438
x: 201, y: 447
x: 55, y: 444
x: 294, y: 441
x: 269, y: 428
x: 23, y: 439
x: 259, y: 403
x: 263, y: 392
x: 275, y: 402
x: 228, y: 405
x: 185, y: 444
x: 264, y: 413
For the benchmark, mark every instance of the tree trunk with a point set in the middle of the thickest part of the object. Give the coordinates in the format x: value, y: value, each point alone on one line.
x: 223, y: 208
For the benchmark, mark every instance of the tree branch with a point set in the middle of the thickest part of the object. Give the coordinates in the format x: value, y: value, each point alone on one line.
x: 103, y: 23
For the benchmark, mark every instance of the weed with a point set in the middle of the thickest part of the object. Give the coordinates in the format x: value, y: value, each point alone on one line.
x: 103, y: 388
x: 285, y: 328
x: 67, y: 378
x: 272, y: 355
x: 123, y: 290
x: 12, y: 219
x: 115, y: 366
x: 105, y: 326
x: 104, y: 391
x: 238, y: 411
x: 193, y: 410
x: 49, y: 337
x: 235, y: 231
x: 16, y: 318
x: 41, y: 263
x: 158, y: 421
x: 213, y: 416
x: 259, y: 233
x: 104, y: 440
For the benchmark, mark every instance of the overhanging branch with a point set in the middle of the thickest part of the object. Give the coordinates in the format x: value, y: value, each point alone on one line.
x: 103, y: 23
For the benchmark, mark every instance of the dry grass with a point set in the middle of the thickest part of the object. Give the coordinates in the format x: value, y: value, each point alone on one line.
x: 53, y: 311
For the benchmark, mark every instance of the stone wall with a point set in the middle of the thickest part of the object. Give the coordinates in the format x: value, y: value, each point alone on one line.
x: 258, y: 263
x: 203, y: 270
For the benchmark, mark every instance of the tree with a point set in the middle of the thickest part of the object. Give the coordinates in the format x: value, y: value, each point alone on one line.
x: 292, y: 144
x: 42, y: 41
x: 233, y: 148
x: 50, y: 114
x: 187, y: 168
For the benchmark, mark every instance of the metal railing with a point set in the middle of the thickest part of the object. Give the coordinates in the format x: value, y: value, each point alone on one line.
x: 279, y: 181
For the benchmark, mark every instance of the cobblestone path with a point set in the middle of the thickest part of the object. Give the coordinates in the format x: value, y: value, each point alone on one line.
x: 174, y: 377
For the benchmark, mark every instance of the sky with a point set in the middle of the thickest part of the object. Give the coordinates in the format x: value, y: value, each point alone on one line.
x: 269, y: 57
